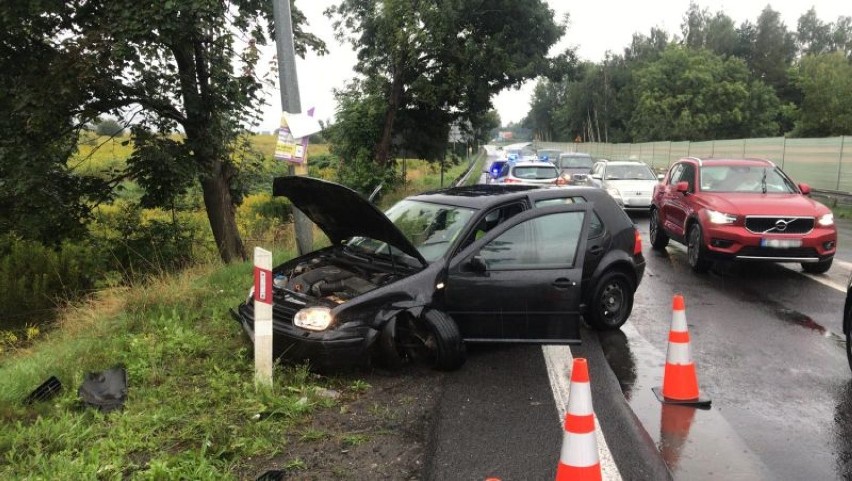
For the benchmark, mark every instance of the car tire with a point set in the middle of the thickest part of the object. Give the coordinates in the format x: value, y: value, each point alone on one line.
x: 695, y: 250
x: 847, y: 329
x: 432, y: 339
x: 820, y: 267
x: 659, y: 239
x: 611, y: 302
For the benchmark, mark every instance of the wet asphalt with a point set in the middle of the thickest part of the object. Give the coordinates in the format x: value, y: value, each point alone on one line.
x: 767, y: 346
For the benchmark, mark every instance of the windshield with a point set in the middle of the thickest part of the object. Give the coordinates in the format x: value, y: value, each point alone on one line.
x: 431, y: 228
x: 749, y: 179
x: 576, y: 162
x: 629, y: 172
x: 536, y: 172
x: 549, y: 154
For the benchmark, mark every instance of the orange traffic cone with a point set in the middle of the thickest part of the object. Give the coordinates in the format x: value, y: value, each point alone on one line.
x: 579, y: 457
x: 680, y: 381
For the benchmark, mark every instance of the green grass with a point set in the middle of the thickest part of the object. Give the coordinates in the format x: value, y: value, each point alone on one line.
x: 193, y: 411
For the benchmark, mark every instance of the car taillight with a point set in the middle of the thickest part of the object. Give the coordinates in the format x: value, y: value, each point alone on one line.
x: 509, y: 180
x: 637, y: 243
x: 561, y: 181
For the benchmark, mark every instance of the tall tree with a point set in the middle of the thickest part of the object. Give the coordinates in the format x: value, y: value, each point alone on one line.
x: 812, y: 34
x: 772, y: 52
x: 195, y: 72
x: 697, y: 95
x: 444, y: 59
x: 826, y: 81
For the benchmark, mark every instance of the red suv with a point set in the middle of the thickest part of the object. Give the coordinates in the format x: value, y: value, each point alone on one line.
x: 745, y: 210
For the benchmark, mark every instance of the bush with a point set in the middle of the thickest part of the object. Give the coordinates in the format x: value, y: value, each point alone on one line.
x: 33, y: 277
x: 262, y: 216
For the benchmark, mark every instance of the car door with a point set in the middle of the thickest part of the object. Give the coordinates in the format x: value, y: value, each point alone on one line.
x: 522, y: 281
x: 678, y: 203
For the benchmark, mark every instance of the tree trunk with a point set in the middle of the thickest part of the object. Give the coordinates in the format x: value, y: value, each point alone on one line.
x: 220, y: 212
x: 383, y: 149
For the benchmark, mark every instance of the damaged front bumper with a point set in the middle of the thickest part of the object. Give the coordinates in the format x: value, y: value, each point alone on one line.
x: 341, y: 347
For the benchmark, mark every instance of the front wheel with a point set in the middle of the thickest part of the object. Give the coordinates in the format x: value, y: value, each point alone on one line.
x: 695, y: 250
x: 659, y: 239
x: 820, y: 267
x: 432, y: 339
x: 612, y: 301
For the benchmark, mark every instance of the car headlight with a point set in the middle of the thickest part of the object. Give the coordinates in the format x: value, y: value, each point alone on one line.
x: 721, y: 217
x: 826, y: 220
x: 313, y: 318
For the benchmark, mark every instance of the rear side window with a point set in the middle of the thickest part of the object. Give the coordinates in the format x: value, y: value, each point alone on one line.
x: 596, y: 227
x: 544, y: 242
x: 535, y: 172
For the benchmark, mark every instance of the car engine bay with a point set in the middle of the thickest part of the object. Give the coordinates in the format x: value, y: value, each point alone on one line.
x: 332, y: 279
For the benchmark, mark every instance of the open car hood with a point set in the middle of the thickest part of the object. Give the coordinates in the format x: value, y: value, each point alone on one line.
x: 341, y: 212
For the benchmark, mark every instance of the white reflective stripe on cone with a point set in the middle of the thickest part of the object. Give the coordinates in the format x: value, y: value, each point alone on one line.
x: 679, y: 353
x: 579, y: 450
x: 679, y: 321
x: 580, y: 399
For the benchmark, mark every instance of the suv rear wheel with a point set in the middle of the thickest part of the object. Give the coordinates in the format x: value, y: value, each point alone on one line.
x: 612, y: 301
x: 695, y: 250
x: 659, y: 239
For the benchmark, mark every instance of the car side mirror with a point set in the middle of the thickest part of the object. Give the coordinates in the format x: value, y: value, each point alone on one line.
x: 805, y: 188
x: 476, y: 264
x: 682, y: 186
x: 596, y: 176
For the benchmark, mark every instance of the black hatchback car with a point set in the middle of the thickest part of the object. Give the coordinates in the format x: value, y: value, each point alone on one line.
x: 485, y: 263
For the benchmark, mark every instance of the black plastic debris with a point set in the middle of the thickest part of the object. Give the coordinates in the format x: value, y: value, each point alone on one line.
x: 105, y: 390
x: 272, y: 475
x: 45, y: 391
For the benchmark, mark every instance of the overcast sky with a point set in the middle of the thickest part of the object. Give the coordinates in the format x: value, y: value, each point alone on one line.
x: 595, y: 27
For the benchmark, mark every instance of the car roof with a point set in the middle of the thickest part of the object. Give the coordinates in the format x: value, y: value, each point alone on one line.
x: 532, y: 163
x: 753, y: 162
x: 482, y: 196
x: 625, y: 162
x: 574, y: 154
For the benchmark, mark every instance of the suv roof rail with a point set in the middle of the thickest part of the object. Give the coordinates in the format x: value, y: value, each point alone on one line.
x: 695, y: 159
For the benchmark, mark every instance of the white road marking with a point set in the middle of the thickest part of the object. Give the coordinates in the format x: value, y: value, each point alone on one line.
x: 559, y: 361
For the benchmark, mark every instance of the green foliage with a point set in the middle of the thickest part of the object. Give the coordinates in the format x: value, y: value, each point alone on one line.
x: 136, y: 246
x: 826, y: 83
x: 697, y: 95
x: 34, y: 278
x: 424, y: 66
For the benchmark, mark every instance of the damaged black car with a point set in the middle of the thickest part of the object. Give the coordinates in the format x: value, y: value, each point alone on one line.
x: 485, y: 263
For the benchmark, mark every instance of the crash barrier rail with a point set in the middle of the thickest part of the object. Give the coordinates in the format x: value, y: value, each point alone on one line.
x: 825, y: 163
x: 472, y: 162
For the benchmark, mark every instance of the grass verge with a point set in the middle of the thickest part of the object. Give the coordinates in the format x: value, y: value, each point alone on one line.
x: 192, y: 411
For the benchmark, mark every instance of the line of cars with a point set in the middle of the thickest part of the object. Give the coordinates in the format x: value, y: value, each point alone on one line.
x: 521, y: 261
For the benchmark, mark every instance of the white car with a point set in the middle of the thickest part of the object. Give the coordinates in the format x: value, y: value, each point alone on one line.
x: 630, y: 183
x: 529, y: 173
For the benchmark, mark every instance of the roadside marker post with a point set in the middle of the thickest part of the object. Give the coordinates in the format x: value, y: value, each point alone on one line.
x: 262, y: 316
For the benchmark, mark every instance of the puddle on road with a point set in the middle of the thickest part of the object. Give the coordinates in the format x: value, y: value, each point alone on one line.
x: 797, y: 317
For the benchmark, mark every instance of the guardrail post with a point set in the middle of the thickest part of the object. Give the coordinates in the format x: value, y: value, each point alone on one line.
x: 784, y: 151
x: 262, y: 316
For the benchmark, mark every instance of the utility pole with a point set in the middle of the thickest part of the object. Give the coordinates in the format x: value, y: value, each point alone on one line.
x: 290, y: 102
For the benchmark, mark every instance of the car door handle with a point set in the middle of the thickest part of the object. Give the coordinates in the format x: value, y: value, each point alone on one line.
x: 595, y: 250
x: 563, y: 283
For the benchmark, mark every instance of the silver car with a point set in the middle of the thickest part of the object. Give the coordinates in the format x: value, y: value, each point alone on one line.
x: 529, y: 173
x: 630, y: 183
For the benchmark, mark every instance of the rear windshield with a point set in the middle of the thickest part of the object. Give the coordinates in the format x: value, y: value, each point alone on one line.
x: 536, y: 172
x: 578, y: 161
x: 629, y: 172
